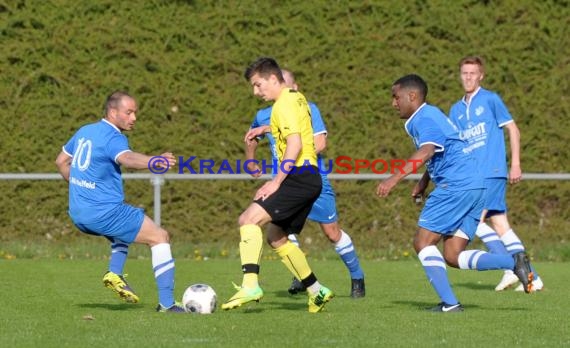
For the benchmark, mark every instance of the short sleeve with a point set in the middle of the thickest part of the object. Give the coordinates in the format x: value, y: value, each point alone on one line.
x: 429, y: 132
x: 117, y: 145
x: 69, y: 147
x: 502, y: 114
x: 317, y: 120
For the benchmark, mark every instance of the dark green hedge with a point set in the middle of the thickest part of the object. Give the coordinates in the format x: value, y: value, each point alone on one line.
x: 184, y: 60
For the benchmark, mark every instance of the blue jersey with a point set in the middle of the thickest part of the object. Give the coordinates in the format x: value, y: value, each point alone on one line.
x: 263, y: 117
x: 95, y: 183
x: 480, y: 123
x: 450, y: 168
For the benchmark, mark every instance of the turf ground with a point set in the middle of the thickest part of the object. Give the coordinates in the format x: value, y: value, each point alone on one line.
x: 62, y: 303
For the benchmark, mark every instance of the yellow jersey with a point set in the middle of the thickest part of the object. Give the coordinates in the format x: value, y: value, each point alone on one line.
x: 291, y: 114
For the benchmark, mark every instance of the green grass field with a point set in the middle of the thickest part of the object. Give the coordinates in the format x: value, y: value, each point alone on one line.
x: 62, y: 303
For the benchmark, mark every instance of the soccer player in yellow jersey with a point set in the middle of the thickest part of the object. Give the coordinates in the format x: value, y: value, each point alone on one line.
x: 285, y: 201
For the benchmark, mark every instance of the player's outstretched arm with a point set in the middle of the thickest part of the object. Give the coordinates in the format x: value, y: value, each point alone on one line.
x: 254, y: 133
x: 135, y: 160
x: 416, y: 161
x: 63, y: 163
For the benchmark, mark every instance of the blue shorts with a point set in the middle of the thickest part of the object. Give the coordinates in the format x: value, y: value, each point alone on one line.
x: 122, y: 223
x: 324, y: 209
x: 495, y: 201
x: 447, y: 211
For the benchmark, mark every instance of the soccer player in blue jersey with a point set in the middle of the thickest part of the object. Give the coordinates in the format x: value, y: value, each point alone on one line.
x: 91, y: 162
x: 481, y: 116
x: 454, y: 208
x: 324, y: 209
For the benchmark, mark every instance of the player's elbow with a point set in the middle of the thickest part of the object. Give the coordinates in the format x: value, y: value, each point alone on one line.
x: 62, y: 161
x: 513, y: 129
x: 321, y: 147
x: 127, y: 160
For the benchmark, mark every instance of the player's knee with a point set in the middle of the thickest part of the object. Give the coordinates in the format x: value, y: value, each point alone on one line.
x: 451, y: 263
x: 500, y: 224
x: 252, y: 217
x: 159, y: 236
x: 417, y: 247
x: 420, y: 244
x: 273, y: 243
x: 276, y: 240
x: 451, y: 259
x: 246, y: 218
x: 424, y: 238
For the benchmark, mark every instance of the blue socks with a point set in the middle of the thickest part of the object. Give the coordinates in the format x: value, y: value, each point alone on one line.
x: 514, y: 245
x: 491, y: 239
x: 509, y: 243
x: 512, y: 242
x: 484, y: 261
x: 345, y: 249
x: 119, y: 253
x: 163, y: 267
x: 434, y: 266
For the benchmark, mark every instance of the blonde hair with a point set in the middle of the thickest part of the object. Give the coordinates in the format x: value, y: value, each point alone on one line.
x: 476, y: 60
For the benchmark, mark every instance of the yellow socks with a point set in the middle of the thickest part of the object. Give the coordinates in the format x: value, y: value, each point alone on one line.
x: 250, y: 248
x: 294, y: 259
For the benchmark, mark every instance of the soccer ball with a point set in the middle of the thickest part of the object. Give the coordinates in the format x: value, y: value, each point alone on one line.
x: 200, y: 299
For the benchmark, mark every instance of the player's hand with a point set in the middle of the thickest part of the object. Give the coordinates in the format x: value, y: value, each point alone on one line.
x: 418, y: 192
x: 266, y: 190
x: 254, y: 133
x: 248, y: 137
x: 170, y: 158
x: 515, y: 174
x: 254, y: 170
x: 384, y: 188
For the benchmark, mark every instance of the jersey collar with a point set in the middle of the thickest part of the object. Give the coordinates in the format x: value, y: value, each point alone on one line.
x: 414, y: 114
x: 472, y: 96
x: 110, y: 124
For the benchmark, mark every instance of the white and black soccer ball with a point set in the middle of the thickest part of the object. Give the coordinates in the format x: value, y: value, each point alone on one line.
x: 199, y: 299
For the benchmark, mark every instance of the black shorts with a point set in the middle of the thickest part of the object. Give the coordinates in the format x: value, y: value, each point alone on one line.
x: 290, y: 205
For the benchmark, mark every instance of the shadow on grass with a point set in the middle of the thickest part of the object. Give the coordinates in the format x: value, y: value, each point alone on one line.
x: 289, y: 306
x: 285, y: 293
x: 475, y: 286
x: 426, y: 306
x: 292, y: 302
x: 303, y: 295
x: 246, y: 309
x: 111, y: 307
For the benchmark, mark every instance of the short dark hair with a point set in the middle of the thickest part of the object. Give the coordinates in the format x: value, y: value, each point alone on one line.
x: 265, y: 67
x: 413, y: 81
x: 113, y: 100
